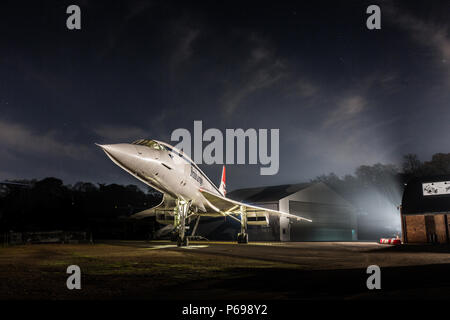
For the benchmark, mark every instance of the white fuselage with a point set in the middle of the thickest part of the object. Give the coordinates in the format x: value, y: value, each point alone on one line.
x: 165, y: 169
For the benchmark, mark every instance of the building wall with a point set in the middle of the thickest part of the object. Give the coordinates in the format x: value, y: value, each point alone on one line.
x: 415, y: 229
x: 330, y: 222
x: 285, y: 229
x: 441, y: 228
x: 426, y: 228
x: 334, y: 219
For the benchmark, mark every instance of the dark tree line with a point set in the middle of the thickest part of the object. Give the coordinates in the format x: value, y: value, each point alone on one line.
x: 438, y: 165
x: 385, y: 180
x: 48, y: 204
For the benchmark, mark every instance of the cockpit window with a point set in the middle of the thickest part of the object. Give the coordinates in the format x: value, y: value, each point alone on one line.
x: 149, y: 143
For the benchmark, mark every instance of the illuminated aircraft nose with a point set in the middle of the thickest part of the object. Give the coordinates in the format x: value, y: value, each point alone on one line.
x: 123, y: 154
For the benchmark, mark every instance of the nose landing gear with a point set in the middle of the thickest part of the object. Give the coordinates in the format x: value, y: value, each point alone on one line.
x: 181, y: 213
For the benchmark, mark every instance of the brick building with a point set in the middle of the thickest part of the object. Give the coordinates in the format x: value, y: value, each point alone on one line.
x: 425, y: 210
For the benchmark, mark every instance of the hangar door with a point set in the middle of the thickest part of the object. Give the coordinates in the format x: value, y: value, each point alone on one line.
x: 330, y: 222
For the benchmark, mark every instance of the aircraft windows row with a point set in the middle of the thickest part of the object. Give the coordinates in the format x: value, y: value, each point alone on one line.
x: 180, y: 154
x: 149, y: 143
x: 155, y: 145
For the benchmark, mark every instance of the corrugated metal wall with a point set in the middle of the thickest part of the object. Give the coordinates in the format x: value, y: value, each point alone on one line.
x: 330, y: 222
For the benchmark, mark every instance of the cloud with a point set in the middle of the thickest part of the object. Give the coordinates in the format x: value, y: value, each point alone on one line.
x: 305, y: 88
x: 260, y: 70
x: 117, y: 134
x: 182, y: 33
x: 183, y: 50
x: 257, y: 80
x: 429, y: 34
x: 316, y: 151
x: 348, y: 109
x: 17, y: 137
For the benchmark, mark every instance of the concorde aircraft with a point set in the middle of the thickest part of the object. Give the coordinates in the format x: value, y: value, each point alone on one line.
x: 187, y: 191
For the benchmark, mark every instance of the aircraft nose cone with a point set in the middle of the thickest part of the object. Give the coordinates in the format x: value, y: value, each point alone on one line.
x: 121, y: 152
x: 110, y: 148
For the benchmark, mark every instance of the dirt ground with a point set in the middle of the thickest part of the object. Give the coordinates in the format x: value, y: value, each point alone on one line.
x: 221, y: 271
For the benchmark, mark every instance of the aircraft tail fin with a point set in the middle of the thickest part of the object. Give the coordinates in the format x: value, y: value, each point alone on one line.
x: 223, y: 186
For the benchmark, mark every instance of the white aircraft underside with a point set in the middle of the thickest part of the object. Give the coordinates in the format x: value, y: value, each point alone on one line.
x: 187, y: 191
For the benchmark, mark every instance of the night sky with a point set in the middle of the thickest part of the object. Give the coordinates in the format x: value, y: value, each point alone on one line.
x: 341, y: 95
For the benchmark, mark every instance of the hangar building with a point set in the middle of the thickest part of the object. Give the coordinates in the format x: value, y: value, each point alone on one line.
x: 334, y: 218
x: 425, y: 210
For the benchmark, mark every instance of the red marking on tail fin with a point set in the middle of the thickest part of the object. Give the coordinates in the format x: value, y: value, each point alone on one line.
x: 223, y: 185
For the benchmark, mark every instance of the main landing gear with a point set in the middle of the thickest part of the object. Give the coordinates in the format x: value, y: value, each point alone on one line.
x: 182, y: 242
x: 181, y: 213
x: 242, y: 237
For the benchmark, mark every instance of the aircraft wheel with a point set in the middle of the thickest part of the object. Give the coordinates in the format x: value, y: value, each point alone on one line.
x: 242, y: 238
x: 182, y: 242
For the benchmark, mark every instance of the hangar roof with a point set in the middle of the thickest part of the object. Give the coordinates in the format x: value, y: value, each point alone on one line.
x: 266, y: 194
x: 415, y: 202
